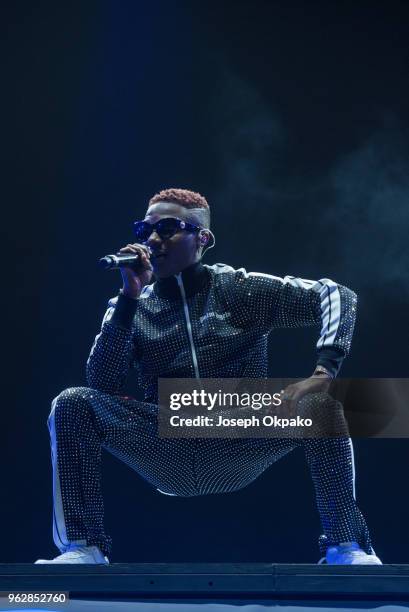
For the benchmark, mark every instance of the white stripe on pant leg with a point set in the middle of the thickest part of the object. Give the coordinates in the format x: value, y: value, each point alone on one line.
x: 372, y: 551
x: 353, y: 468
x: 59, y: 527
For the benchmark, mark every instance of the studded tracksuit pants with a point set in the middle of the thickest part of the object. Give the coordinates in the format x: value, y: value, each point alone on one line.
x: 83, y: 421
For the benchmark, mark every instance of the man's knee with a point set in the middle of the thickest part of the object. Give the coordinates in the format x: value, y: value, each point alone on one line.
x: 70, y: 399
x: 326, y: 414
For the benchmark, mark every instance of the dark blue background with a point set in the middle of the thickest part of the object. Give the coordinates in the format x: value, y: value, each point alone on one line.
x: 292, y: 119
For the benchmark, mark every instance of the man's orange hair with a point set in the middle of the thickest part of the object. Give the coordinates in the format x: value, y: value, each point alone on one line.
x: 183, y: 197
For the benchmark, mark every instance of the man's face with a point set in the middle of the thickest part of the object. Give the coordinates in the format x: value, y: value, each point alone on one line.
x: 171, y: 255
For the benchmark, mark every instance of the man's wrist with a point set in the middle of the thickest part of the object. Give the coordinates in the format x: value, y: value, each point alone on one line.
x: 331, y: 358
x: 128, y: 295
x: 322, y: 372
x: 125, y: 309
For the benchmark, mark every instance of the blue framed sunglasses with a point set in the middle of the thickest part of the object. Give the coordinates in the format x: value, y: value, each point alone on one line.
x: 165, y: 228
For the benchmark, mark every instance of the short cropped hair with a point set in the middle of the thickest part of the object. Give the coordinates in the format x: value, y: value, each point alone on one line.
x: 188, y: 199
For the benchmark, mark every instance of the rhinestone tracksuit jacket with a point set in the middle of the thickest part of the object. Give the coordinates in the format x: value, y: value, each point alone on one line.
x: 213, y: 321
x: 207, y: 321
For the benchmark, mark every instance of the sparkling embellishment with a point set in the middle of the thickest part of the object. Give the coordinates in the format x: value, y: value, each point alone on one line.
x: 86, y: 419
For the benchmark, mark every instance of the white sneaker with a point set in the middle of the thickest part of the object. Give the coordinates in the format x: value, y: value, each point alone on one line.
x: 78, y: 554
x: 349, y: 553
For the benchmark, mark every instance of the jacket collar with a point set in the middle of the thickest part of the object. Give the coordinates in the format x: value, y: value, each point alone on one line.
x: 194, y: 277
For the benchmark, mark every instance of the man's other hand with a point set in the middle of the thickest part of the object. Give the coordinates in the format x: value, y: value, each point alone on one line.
x: 317, y: 383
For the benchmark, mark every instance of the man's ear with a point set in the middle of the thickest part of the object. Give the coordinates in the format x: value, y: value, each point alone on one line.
x: 203, y: 237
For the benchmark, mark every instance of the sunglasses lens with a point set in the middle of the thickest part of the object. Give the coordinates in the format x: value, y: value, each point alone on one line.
x: 167, y: 227
x: 142, y: 230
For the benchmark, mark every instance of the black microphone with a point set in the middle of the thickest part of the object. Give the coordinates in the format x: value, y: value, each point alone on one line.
x: 120, y: 260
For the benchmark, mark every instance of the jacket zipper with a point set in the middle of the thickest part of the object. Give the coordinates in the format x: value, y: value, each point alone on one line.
x: 188, y: 324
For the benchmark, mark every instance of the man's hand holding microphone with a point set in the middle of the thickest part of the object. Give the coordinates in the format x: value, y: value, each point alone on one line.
x: 136, y: 277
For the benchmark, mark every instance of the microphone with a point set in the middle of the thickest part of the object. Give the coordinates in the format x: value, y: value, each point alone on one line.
x: 120, y: 260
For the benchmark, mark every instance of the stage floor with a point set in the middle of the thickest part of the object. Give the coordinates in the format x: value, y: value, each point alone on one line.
x: 209, y: 587
x: 216, y: 606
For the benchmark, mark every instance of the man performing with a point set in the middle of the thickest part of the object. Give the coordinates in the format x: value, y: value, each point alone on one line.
x: 196, y: 321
